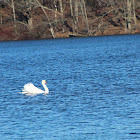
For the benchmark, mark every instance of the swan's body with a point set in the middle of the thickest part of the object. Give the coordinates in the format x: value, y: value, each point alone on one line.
x: 31, y: 89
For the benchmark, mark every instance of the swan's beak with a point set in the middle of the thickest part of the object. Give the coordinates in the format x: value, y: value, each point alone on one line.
x: 45, y: 82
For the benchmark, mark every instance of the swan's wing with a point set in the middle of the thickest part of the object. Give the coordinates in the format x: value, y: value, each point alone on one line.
x: 31, y: 89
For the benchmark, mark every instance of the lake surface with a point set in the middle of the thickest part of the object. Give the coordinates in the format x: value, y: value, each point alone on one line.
x: 94, y: 85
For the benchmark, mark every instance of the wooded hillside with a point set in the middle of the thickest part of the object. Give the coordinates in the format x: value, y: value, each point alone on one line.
x: 39, y: 19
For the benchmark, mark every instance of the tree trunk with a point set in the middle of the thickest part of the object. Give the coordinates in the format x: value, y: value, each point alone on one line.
x: 55, y: 12
x: 14, y: 15
x: 62, y: 16
x: 134, y: 13
x: 129, y: 15
x: 83, y: 8
x: 72, y: 15
x: 1, y: 17
x: 76, y: 14
x: 71, y: 9
x: 30, y: 23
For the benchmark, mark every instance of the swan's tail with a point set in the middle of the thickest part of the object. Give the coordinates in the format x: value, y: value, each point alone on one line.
x: 26, y: 93
x: 23, y: 92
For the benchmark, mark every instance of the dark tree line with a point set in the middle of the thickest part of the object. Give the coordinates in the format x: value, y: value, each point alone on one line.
x: 69, y: 15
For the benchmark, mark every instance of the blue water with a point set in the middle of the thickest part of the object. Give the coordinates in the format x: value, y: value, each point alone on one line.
x: 94, y: 85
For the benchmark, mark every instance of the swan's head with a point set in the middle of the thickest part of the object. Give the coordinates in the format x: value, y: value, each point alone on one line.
x: 44, y: 82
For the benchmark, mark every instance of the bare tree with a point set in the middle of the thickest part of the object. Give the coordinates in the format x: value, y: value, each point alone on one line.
x: 128, y: 3
x: 14, y: 15
x: 56, y: 10
x: 12, y: 5
x: 75, y: 7
x: 84, y: 12
x: 76, y: 10
x: 72, y: 14
x: 50, y: 24
x: 134, y: 13
x: 130, y: 15
x: 1, y: 18
x: 62, y: 14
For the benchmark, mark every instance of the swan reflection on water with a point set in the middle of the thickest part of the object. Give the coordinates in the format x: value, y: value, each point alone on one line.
x: 30, y: 89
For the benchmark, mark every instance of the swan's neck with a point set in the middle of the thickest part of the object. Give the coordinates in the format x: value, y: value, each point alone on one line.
x: 46, y: 88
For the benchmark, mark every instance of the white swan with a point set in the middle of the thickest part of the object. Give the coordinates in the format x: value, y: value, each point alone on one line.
x: 30, y: 89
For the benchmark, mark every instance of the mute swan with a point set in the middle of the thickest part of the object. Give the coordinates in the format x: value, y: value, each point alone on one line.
x: 31, y: 89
